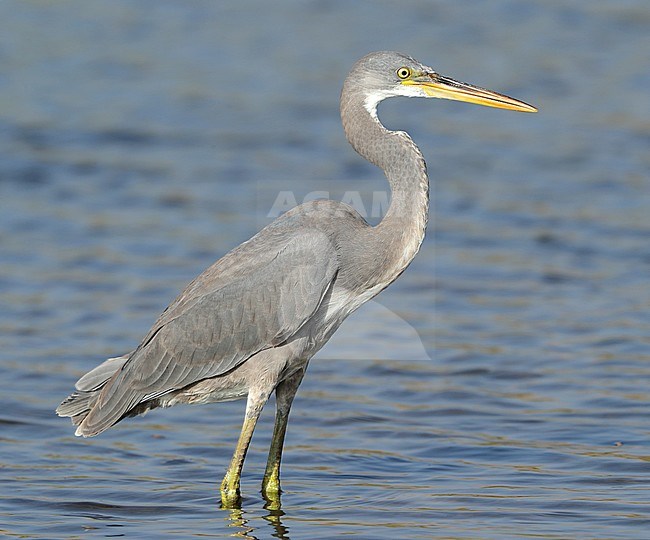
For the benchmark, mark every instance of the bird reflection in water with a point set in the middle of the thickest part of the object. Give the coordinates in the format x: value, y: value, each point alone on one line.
x: 237, y: 519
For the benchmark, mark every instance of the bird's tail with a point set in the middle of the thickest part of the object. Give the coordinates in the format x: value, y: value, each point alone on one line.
x: 87, y: 390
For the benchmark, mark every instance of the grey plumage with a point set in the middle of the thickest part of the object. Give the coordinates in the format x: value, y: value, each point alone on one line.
x: 250, y: 323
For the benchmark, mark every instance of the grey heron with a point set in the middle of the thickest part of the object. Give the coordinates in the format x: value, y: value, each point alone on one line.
x: 249, y: 324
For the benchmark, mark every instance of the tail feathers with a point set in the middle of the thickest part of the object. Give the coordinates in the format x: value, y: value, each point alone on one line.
x: 81, y: 404
x: 77, y: 405
x: 108, y: 409
x: 97, y: 378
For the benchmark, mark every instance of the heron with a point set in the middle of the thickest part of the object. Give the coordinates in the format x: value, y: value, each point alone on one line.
x: 248, y: 326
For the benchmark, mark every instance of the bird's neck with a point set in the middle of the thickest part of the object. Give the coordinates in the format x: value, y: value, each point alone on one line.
x: 397, y: 238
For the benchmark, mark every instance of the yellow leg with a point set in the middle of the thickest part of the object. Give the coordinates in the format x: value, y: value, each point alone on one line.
x: 285, y: 392
x: 230, y: 494
x: 271, y: 483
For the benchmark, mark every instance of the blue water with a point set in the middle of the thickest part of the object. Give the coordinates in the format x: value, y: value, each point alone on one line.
x: 498, y: 390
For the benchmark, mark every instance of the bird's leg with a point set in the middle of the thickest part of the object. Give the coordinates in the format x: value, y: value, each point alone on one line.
x: 230, y: 494
x: 284, y: 394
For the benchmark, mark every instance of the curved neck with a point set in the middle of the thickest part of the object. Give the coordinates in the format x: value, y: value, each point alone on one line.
x: 397, y: 238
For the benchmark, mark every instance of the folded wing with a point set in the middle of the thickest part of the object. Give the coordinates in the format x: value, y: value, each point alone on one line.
x: 220, y: 326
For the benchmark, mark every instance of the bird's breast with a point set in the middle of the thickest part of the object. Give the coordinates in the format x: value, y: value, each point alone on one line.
x: 343, y: 302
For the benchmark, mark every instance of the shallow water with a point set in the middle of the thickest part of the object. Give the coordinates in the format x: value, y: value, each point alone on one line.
x: 499, y: 389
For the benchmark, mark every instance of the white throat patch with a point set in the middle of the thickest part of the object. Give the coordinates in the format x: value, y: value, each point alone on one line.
x: 375, y: 97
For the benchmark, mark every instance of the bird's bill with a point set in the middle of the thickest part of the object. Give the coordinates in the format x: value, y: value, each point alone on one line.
x: 434, y: 85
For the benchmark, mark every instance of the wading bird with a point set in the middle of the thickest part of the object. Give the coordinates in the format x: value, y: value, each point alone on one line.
x: 249, y: 324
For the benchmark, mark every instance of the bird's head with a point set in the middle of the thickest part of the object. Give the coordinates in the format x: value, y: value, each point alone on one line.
x: 387, y: 74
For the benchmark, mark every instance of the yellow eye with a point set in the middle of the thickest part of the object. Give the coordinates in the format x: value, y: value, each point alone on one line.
x: 403, y: 73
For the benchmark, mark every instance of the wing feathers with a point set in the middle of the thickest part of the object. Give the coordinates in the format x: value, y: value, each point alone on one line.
x: 222, y: 326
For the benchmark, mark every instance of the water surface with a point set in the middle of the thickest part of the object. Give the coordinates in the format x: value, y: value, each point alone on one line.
x: 497, y: 390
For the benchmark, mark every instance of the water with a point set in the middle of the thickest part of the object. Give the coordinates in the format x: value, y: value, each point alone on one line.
x: 498, y: 390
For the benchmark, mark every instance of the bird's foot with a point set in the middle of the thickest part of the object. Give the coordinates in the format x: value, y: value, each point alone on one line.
x: 272, y: 497
x: 230, y: 493
x: 271, y: 482
x: 271, y: 488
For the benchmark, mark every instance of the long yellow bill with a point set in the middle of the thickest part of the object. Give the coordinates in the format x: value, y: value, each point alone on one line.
x: 435, y: 85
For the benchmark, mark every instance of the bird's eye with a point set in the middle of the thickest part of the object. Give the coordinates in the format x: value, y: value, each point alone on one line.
x: 403, y: 73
